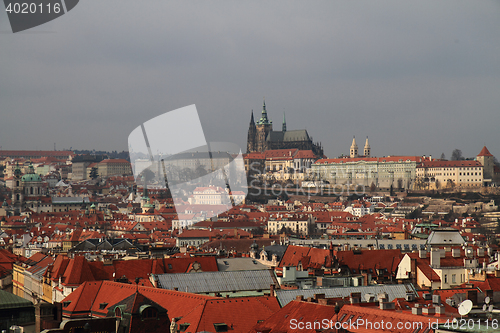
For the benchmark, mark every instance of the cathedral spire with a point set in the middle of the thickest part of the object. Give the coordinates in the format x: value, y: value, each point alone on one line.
x: 252, y: 122
x: 283, y: 128
x: 263, y: 119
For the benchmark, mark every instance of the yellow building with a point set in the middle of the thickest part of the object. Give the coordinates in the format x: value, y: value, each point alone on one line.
x: 114, y: 167
x: 449, y: 174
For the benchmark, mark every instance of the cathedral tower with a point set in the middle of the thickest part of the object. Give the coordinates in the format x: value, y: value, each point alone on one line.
x: 367, y: 150
x: 354, y: 148
x: 264, y: 126
x: 252, y: 135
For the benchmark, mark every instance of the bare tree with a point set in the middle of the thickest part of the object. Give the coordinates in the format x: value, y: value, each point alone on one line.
x: 456, y: 155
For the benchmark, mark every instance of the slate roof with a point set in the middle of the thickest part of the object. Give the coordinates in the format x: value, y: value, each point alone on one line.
x: 11, y: 301
x: 210, y: 282
x: 288, y: 136
x: 393, y: 291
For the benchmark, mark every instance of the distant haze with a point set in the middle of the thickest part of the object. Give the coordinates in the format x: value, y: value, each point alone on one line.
x: 419, y: 77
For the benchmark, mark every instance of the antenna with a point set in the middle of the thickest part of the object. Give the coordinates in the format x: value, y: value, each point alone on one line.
x: 465, y: 307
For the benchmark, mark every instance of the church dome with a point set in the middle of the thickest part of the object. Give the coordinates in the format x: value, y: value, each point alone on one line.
x: 31, y: 177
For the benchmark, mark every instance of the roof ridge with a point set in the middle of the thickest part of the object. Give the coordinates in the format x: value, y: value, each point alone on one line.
x: 97, y: 293
x: 202, y: 311
x: 259, y: 299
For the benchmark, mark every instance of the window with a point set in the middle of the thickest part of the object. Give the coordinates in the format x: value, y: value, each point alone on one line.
x: 183, y: 327
x: 220, y: 327
x: 102, y: 306
x: 445, y: 278
x: 149, y: 313
x: 453, y: 278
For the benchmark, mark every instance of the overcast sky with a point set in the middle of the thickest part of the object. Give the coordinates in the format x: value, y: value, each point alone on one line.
x: 420, y: 77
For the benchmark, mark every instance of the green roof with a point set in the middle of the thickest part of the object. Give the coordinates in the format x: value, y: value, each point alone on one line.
x: 11, y: 301
x: 31, y: 177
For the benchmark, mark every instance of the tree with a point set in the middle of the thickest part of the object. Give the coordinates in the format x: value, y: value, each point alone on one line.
x: 200, y: 170
x: 443, y: 157
x: 456, y: 155
x: 94, y: 173
x: 148, y: 175
x: 373, y: 187
x: 437, y: 183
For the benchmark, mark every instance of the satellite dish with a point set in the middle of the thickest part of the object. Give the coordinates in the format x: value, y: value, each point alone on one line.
x: 465, y: 307
x: 487, y: 300
x: 485, y: 307
x: 490, y: 308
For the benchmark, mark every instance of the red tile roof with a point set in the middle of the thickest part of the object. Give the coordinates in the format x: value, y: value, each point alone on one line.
x: 450, y: 164
x: 286, y: 319
x: 115, y: 160
x: 484, y: 152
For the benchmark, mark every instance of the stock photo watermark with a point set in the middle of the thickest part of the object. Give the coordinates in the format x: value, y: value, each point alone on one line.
x: 27, y: 14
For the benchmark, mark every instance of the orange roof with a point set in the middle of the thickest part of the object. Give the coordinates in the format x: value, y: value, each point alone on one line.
x: 115, y: 160
x: 294, y: 312
x: 370, y: 159
x: 451, y: 164
x: 484, y: 152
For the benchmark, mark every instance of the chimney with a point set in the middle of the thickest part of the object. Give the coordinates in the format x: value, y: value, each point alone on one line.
x: 472, y: 295
x: 422, y: 254
x: 323, y: 301
x: 455, y: 253
x: 429, y: 311
x: 480, y: 252
x: 439, y: 310
x: 435, y: 259
x: 387, y: 306
x: 271, y: 290
x: 416, y: 310
x: 382, y: 297
x: 299, y: 298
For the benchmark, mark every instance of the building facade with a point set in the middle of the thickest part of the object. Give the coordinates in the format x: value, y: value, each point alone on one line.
x: 381, y: 172
x: 449, y: 174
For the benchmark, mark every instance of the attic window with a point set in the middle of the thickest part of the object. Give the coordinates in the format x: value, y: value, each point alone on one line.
x: 169, y: 266
x: 66, y: 304
x: 343, y: 316
x: 226, y: 263
x: 149, y: 313
x: 102, y: 306
x: 183, y: 327
x: 220, y: 327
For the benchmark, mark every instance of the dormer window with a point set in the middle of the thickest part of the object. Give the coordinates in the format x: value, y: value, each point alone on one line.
x: 66, y: 304
x: 183, y: 327
x: 220, y: 327
x: 102, y: 306
x: 149, y: 313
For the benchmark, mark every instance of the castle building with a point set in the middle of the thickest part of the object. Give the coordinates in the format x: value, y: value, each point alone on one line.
x: 261, y: 136
x: 491, y: 172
